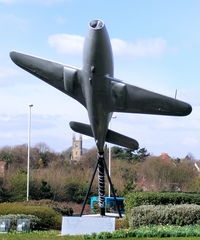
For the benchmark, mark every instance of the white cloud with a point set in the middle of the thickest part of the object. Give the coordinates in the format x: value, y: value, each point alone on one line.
x: 8, y: 77
x: 151, y: 47
x: 191, y: 96
x: 73, y: 44
x: 66, y: 44
x: 5, y: 118
x: 7, y: 72
x: 190, y: 142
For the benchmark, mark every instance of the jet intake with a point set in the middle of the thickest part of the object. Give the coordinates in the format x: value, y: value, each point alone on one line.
x: 96, y: 24
x: 111, y: 136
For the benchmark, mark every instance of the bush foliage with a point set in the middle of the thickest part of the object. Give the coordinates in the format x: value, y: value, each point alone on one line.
x: 52, y: 174
x: 185, y: 214
x: 149, y: 231
x: 155, y: 198
x: 121, y: 223
x: 48, y: 217
x: 75, y: 191
x: 60, y: 207
x: 38, y: 189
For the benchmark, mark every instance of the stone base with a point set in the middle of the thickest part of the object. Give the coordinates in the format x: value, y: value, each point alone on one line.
x: 87, y: 225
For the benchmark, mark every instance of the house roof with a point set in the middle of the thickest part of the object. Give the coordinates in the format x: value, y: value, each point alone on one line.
x: 165, y: 157
x: 2, y: 164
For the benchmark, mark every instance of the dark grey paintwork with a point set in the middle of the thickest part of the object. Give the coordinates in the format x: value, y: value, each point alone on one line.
x: 95, y: 87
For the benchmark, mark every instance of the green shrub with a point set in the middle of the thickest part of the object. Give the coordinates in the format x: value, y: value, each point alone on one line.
x: 48, y: 217
x: 13, y: 220
x: 156, y: 198
x: 121, y: 233
x: 104, y: 235
x: 150, y: 232
x: 60, y: 207
x: 75, y: 191
x: 185, y: 214
x: 17, y: 190
x: 121, y: 223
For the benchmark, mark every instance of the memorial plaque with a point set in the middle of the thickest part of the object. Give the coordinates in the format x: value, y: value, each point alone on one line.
x: 23, y: 225
x: 4, y: 225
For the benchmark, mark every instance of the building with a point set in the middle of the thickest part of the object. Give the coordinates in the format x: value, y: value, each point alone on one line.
x: 77, y: 149
x: 166, y: 158
x: 2, y: 168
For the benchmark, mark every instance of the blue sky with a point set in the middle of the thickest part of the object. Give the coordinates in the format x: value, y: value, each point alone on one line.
x: 156, y: 45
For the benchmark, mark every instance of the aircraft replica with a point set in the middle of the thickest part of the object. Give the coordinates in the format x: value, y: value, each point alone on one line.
x: 95, y: 87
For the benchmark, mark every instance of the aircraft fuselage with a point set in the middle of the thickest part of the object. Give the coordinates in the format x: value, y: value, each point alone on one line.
x: 97, y: 65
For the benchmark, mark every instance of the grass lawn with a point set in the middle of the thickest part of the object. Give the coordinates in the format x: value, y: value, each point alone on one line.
x: 37, y: 235
x: 55, y: 236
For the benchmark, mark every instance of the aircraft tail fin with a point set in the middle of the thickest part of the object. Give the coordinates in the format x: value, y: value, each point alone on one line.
x: 111, y: 137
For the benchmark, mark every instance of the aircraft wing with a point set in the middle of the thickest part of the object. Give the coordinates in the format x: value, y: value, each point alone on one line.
x: 60, y: 76
x: 132, y: 99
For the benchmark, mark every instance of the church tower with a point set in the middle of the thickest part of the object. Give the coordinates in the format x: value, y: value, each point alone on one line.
x: 76, y: 148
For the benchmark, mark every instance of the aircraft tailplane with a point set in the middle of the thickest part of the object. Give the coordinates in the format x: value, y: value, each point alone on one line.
x: 111, y: 137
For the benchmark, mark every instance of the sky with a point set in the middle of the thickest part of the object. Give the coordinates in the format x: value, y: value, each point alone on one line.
x: 156, y: 46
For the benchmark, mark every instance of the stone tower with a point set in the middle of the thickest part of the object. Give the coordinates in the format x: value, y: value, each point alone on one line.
x: 76, y: 148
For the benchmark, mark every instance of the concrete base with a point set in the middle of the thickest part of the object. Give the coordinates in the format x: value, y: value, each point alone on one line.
x: 87, y: 224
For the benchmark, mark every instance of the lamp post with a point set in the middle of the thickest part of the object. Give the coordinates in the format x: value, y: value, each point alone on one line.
x: 28, y: 158
x: 109, y: 159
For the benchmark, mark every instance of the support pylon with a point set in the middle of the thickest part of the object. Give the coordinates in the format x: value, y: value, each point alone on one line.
x: 102, y: 168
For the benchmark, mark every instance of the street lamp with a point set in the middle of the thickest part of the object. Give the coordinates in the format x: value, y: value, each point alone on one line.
x: 109, y: 160
x: 29, y: 144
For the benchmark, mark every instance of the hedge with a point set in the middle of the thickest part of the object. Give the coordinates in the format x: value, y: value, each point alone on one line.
x: 49, y: 219
x: 60, y: 207
x: 156, y: 198
x: 181, y: 215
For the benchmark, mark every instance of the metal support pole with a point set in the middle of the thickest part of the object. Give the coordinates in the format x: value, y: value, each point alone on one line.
x: 28, y: 157
x: 109, y: 167
x: 112, y: 188
x: 101, y: 182
x: 89, y: 189
x: 109, y: 158
x: 101, y: 165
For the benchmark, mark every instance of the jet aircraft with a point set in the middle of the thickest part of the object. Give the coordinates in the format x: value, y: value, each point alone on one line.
x: 96, y: 88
